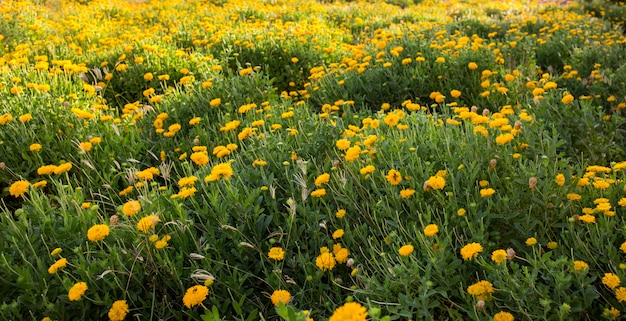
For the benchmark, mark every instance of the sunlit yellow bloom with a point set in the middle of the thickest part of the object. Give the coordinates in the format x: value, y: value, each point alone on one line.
x: 471, y: 251
x: 431, y: 230
x: 77, y: 291
x: 406, y: 250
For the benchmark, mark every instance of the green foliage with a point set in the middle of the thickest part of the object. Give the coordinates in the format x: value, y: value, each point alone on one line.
x: 300, y: 160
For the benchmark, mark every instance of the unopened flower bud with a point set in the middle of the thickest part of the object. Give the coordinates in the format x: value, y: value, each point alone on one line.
x: 196, y: 141
x: 518, y: 125
x: 486, y: 112
x: 350, y: 262
x: 113, y: 220
x: 493, y: 163
x: 510, y: 254
x: 474, y: 109
x: 532, y: 182
x: 480, y: 305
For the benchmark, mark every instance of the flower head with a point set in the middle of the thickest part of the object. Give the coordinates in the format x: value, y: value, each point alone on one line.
x: 19, y: 188
x: 131, y: 208
x: 471, y: 251
x: 200, y: 158
x: 322, y: 179
x: 325, y: 261
x: 499, y: 256
x: 195, y: 295
x: 147, y: 223
x: 436, y: 182
x: 487, y: 192
x: 220, y: 171
x: 406, y: 250
x: 280, y: 296
x: 77, y: 291
x: 59, y: 264
x: 276, y: 253
x: 431, y: 230
x: 98, y: 232
x: 352, y: 311
x: 394, y: 177
x: 611, y: 280
x: 118, y: 310
x: 503, y: 316
x: 481, y: 290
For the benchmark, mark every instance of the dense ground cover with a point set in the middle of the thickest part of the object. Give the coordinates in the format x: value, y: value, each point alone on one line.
x: 232, y: 160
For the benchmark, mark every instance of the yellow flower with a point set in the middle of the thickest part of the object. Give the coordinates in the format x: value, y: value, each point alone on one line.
x: 560, y: 179
x: 481, y: 290
x: 318, y: 192
x: 498, y: 256
x: 406, y: 193
x: 19, y: 188
x: 623, y: 247
x: 393, y: 177
x: 471, y: 251
x: 59, y: 264
x: 118, y: 310
x: 612, y: 312
x: 199, y: 158
x: 367, y: 170
x: 531, y: 241
x: 503, y: 316
x: 147, y: 223
x: 232, y: 125
x: 219, y: 171
x: 276, y: 253
x: 504, y: 138
x: 620, y: 294
x: 574, y: 197
x: 587, y: 218
x: 187, y: 181
x: 185, y: 192
x: 472, y: 66
x: 455, y: 93
x: 431, y: 230
x: 580, y: 266
x: 487, y: 192
x: 340, y: 213
x: 322, y: 179
x: 611, y: 280
x: 131, y: 208
x: 195, y: 121
x: 56, y: 251
x: 77, y: 291
x: 98, y: 232
x: 552, y: 245
x: 34, y: 147
x: 461, y: 212
x: 353, y: 153
x: 280, y: 296
x: 25, y: 118
x: 436, y: 182
x: 195, y: 295
x: 341, y: 254
x: 351, y: 311
x: 325, y: 261
x: 406, y: 250
x: 567, y: 99
x: 65, y: 167
x: 338, y: 234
